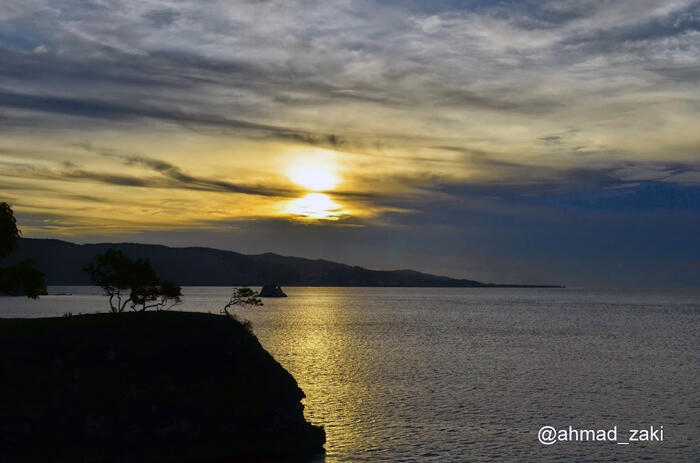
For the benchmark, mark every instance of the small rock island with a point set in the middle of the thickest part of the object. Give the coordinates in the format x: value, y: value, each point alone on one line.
x: 157, y: 387
x: 272, y: 291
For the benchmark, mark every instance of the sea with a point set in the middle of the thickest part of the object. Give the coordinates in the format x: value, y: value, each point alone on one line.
x: 474, y: 374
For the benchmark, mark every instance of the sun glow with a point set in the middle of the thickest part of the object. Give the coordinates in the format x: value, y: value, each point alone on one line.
x: 313, y: 176
x: 315, y: 206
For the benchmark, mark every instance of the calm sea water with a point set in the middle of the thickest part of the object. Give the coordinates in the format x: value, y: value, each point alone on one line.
x: 456, y: 375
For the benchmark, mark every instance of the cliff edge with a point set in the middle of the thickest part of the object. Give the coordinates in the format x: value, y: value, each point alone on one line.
x: 145, y: 387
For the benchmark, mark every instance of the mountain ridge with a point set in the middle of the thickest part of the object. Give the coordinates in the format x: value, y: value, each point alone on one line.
x: 62, y: 263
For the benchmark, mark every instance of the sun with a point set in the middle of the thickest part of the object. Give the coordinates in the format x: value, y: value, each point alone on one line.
x: 315, y: 206
x: 313, y: 176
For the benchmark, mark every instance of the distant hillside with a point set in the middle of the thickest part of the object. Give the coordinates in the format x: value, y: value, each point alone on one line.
x: 62, y: 263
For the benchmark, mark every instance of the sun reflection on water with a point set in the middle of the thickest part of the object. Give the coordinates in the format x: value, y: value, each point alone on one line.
x: 334, y: 376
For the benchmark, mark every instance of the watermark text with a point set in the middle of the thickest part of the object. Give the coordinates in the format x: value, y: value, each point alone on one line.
x: 549, y: 435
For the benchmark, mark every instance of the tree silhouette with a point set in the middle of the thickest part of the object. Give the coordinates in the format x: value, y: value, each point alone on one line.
x: 131, y: 283
x: 243, y: 297
x: 162, y: 295
x: 9, y: 233
x: 21, y: 278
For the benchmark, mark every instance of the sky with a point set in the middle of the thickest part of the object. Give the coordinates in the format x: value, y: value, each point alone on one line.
x: 505, y: 141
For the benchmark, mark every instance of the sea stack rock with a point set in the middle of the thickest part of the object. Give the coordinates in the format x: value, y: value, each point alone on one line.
x: 272, y: 291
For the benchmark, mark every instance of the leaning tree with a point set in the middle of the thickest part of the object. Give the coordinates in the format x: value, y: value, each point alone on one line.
x: 243, y: 297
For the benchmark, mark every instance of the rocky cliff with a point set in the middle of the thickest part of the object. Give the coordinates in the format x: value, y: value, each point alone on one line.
x: 145, y: 387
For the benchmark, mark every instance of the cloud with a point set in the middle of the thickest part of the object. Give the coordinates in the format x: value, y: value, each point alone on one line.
x: 105, y: 109
x: 378, y: 67
x: 162, y: 17
x: 435, y: 112
x: 170, y: 176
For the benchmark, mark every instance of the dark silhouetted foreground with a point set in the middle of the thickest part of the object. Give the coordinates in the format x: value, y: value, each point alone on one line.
x: 145, y: 387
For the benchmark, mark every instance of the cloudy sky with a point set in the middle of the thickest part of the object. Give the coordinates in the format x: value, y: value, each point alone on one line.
x: 508, y: 141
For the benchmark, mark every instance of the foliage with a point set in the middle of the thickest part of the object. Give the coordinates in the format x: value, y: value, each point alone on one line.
x: 130, y: 283
x: 22, y: 278
x: 9, y: 233
x: 243, y: 297
x: 112, y: 272
x: 160, y: 296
